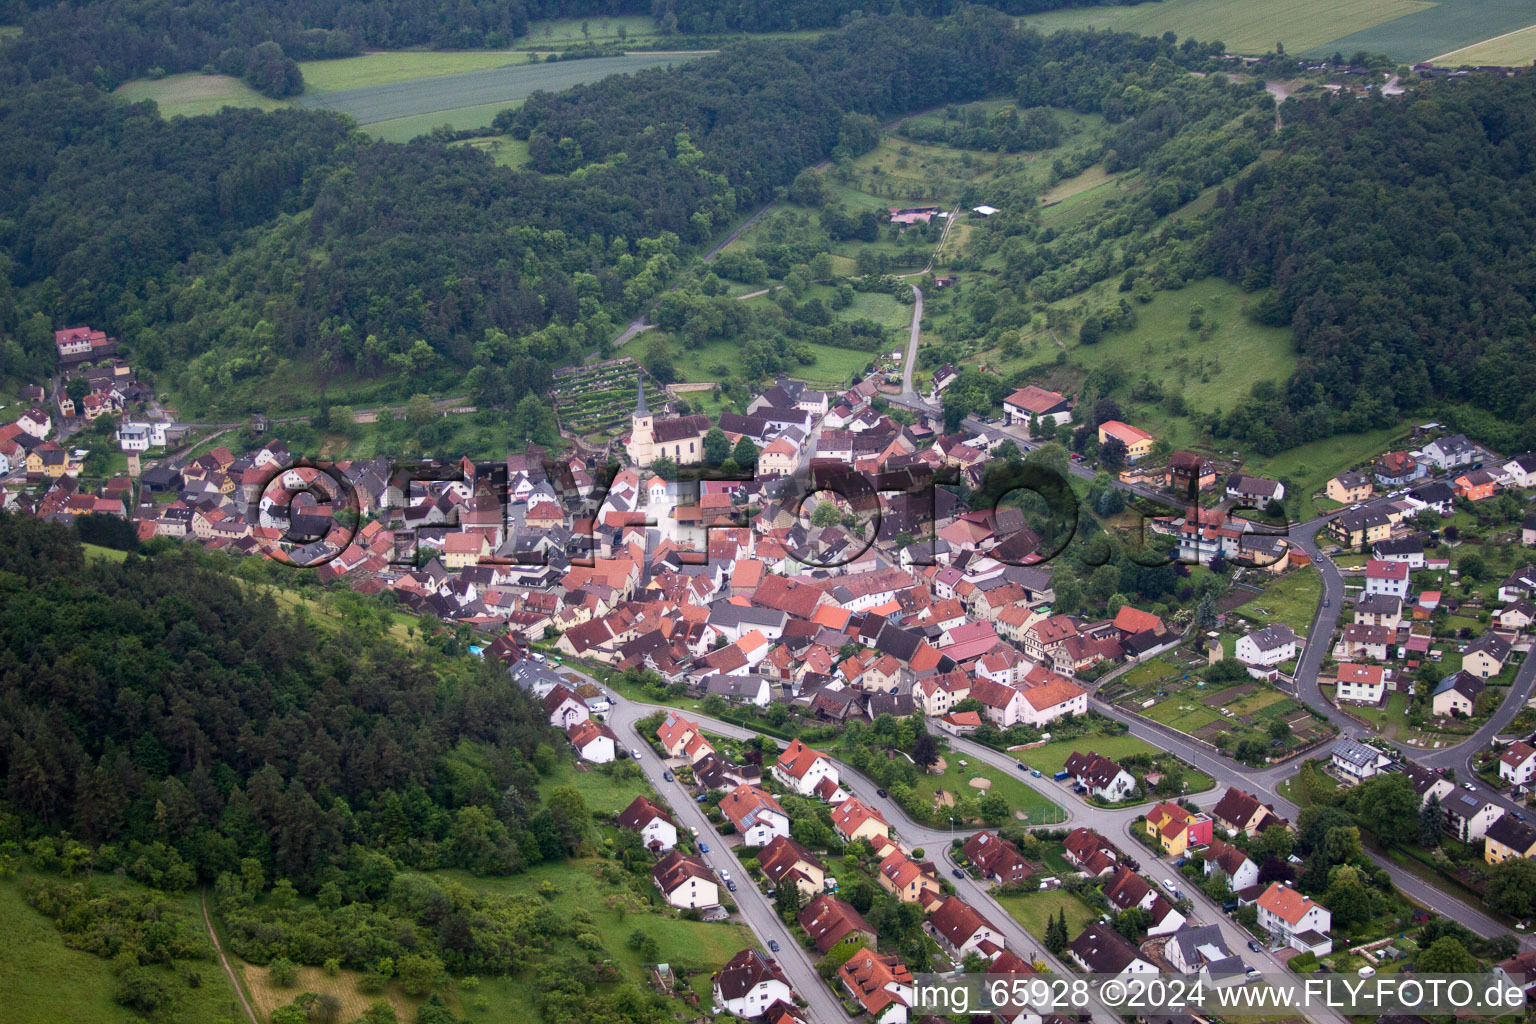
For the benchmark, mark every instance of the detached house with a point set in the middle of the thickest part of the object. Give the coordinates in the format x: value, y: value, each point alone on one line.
x: 1176, y: 829
x: 1467, y: 817
x: 1361, y: 684
x: 593, y: 741
x: 757, y: 815
x: 1242, y: 813
x: 1517, y: 763
x: 1100, y: 776
x: 656, y: 828
x: 855, y: 820
x: 1451, y: 452
x: 1102, y: 950
x: 996, y: 858
x: 905, y: 878
x: 882, y: 985
x: 686, y: 882
x: 1295, y: 920
x: 1239, y: 868
x: 1262, y: 650
x: 1349, y: 488
x: 1357, y: 761
x: 830, y: 922
x: 786, y: 862
x: 1047, y: 408
x: 1389, y: 578
x: 961, y: 930
x: 749, y: 984
x: 1486, y: 656
x: 564, y: 708
x: 802, y: 769
x: 1456, y: 694
x: 1509, y: 837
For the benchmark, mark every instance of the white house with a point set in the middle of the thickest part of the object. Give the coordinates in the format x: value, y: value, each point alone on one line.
x: 133, y: 437
x: 1517, y: 764
x: 1451, y: 452
x: 1467, y: 816
x: 1240, y: 869
x: 686, y: 882
x: 1203, y: 951
x: 749, y: 984
x: 1100, y: 776
x: 1102, y: 950
x: 1361, y: 684
x: 1390, y: 578
x: 1267, y: 647
x: 1294, y: 920
x: 1049, y: 408
x: 35, y: 422
x: 1045, y: 702
x: 564, y: 708
x: 1356, y: 761
x: 593, y: 741
x: 756, y: 814
x: 960, y: 930
x: 656, y: 828
x: 802, y: 769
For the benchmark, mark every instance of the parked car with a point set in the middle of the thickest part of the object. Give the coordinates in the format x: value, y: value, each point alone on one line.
x: 703, y: 847
x: 1168, y: 884
x: 635, y: 753
x: 880, y: 792
x: 667, y: 775
x: 731, y: 886
x: 1035, y: 772
x: 694, y: 829
x: 1467, y: 786
x: 725, y: 876
x: 1254, y: 945
x: 773, y: 945
x: 701, y: 798
x: 957, y: 872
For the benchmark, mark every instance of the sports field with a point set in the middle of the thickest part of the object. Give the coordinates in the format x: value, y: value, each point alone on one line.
x: 1244, y: 26
x: 504, y: 85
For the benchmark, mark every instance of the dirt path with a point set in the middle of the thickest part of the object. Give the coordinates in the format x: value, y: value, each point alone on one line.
x: 223, y: 961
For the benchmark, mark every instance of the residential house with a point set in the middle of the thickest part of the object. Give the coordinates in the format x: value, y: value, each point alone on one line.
x: 1520, y: 970
x: 1486, y: 656
x: 829, y: 922
x: 1467, y: 816
x: 1518, y: 616
x: 1102, y: 950
x: 1476, y: 485
x: 564, y: 708
x: 1427, y: 783
x: 756, y: 813
x: 1394, y: 469
x: 749, y: 984
x: 1378, y: 610
x: 1176, y: 829
x: 786, y: 862
x: 1003, y: 704
x: 1451, y: 452
x: 1408, y: 550
x: 1517, y: 763
x: 1361, y: 684
x: 1100, y: 776
x: 1126, y: 890
x: 656, y: 828
x: 1090, y: 852
x: 1138, y: 443
x: 1188, y: 473
x: 1242, y: 813
x: 1031, y: 403
x: 1359, y: 527
x: 802, y: 769
x: 1508, y: 837
x: 961, y: 930
x: 1047, y: 697
x: 686, y: 882
x: 1359, y: 641
x: 1202, y: 951
x: 1356, y: 761
x: 1389, y: 578
x: 1348, y: 488
x: 882, y: 985
x: 1294, y: 920
x: 677, y: 734
x: 996, y: 858
x: 905, y: 878
x: 855, y: 820
x: 1255, y: 489
x: 1239, y: 868
x: 593, y: 741
x: 1262, y: 650
x: 1456, y: 694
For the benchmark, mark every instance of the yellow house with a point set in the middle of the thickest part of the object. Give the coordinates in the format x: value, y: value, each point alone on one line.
x: 1349, y: 487
x: 461, y: 550
x: 1507, y: 838
x: 1354, y: 529
x: 1138, y: 443
x: 905, y: 878
x: 1177, y: 829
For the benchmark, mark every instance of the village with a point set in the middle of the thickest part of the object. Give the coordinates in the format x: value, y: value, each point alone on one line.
x: 869, y: 699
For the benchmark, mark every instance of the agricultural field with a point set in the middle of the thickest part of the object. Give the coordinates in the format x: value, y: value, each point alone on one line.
x: 1291, y: 600
x: 1033, y: 910
x: 44, y: 980
x: 1438, y: 29
x: 1512, y: 48
x: 1243, y: 26
x: 1309, y: 466
x: 388, y: 67
x: 438, y: 94
x: 193, y: 94
x: 1225, y: 712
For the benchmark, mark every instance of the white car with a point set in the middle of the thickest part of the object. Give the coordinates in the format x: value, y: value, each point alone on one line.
x: 725, y: 876
x: 1168, y: 884
x: 635, y: 753
x: 694, y: 830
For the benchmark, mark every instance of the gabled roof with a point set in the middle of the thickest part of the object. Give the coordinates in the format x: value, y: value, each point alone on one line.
x: 640, y: 813
x: 797, y: 759
x: 1286, y: 903
x: 745, y: 971
x: 828, y: 921
x: 1104, y: 950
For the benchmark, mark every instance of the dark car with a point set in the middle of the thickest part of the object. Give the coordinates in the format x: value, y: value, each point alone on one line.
x: 1253, y: 944
x: 703, y: 847
x: 773, y: 945
x: 957, y: 873
x: 667, y: 775
x: 731, y: 886
x: 880, y: 792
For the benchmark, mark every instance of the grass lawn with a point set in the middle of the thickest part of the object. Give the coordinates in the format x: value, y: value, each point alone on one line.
x: 1150, y: 672
x: 1051, y: 757
x: 43, y: 980
x: 1291, y: 600
x: 1308, y: 467
x: 879, y: 307
x: 1518, y: 47
x: 687, y: 945
x: 1182, y: 711
x: 1033, y: 910
x: 193, y: 94
x: 1020, y: 796
x: 505, y: 151
x: 110, y: 554
x: 1244, y: 26
x: 404, y: 129
x: 554, y: 33
x: 721, y: 357
x: 603, y: 793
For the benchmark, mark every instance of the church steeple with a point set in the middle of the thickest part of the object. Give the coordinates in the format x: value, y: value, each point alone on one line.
x: 640, y: 409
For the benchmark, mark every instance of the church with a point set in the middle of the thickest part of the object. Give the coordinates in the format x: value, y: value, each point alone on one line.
x: 679, y: 438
